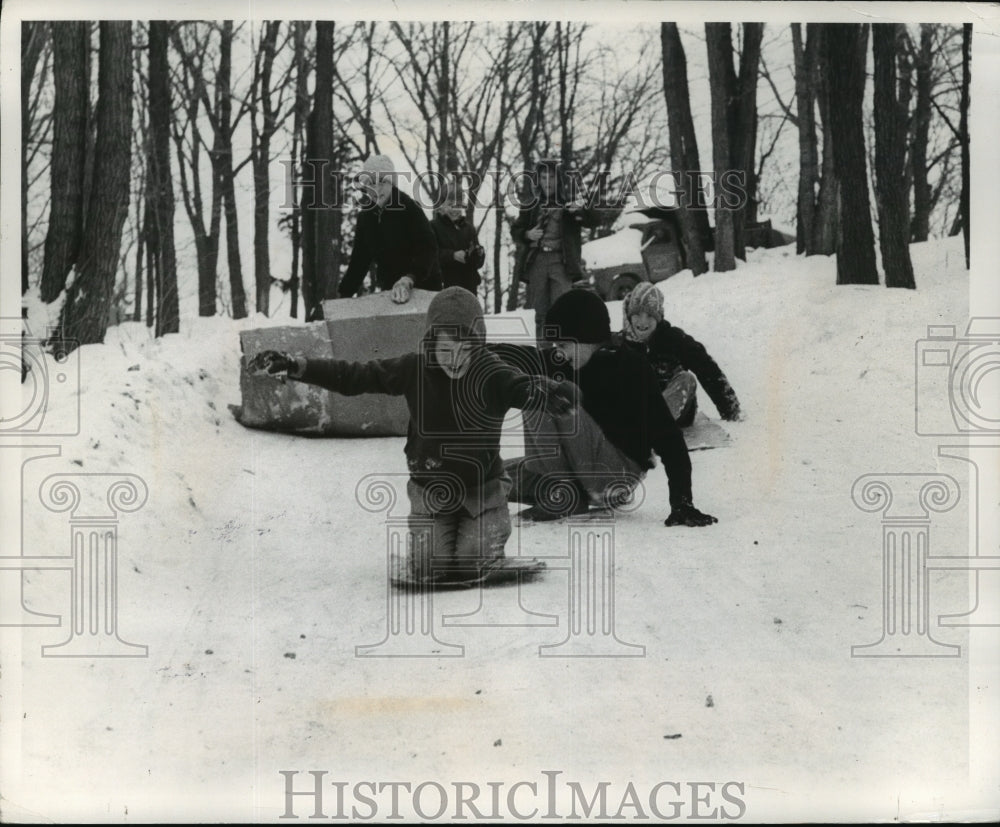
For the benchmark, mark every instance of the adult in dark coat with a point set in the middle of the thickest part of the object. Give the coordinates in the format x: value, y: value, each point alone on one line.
x: 679, y: 360
x: 547, y: 233
x: 459, y: 252
x: 393, y: 232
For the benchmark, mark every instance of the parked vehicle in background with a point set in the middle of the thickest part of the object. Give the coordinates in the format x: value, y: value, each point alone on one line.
x: 653, y: 249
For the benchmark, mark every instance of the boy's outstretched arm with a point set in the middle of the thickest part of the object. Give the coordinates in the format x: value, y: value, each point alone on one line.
x: 389, y: 376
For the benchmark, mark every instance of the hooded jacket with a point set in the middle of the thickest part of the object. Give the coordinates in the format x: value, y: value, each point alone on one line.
x: 454, y: 430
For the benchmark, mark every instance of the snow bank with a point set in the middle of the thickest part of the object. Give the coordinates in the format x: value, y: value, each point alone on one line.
x: 253, y: 573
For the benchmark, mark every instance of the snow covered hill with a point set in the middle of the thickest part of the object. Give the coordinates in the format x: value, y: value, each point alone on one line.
x: 254, y: 572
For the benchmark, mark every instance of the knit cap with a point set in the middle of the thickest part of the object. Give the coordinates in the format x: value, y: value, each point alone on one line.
x: 578, y: 315
x: 644, y: 298
x: 455, y: 310
x: 378, y: 165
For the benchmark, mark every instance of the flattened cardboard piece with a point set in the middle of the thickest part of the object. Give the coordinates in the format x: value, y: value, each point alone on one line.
x: 357, y: 330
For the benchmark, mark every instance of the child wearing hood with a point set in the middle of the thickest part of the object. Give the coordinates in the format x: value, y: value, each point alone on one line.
x: 458, y: 394
x: 679, y: 360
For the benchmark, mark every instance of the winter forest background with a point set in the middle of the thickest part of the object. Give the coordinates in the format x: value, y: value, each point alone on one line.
x: 157, y: 156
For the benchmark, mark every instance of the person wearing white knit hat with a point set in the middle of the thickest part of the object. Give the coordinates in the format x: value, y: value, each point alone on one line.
x: 679, y: 360
x: 393, y: 232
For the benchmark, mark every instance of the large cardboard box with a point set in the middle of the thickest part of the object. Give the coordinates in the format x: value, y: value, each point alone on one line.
x: 357, y: 330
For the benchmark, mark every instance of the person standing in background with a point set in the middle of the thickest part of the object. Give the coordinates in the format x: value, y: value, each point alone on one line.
x: 547, y: 233
x: 393, y: 232
x: 459, y: 252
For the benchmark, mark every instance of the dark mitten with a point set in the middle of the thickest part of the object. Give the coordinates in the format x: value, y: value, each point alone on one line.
x: 271, y: 362
x: 476, y: 256
x: 560, y: 397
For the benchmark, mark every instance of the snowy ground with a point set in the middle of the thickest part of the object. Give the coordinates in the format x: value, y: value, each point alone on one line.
x: 252, y: 573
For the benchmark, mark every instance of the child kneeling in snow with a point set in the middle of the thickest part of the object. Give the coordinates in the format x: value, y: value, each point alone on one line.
x: 458, y: 394
x: 601, y: 449
x: 679, y: 360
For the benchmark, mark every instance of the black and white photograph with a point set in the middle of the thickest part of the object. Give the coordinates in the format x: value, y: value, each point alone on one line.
x: 499, y: 412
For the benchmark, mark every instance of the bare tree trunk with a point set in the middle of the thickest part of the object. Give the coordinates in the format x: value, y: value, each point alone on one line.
x: 568, y: 74
x: 808, y: 151
x: 224, y: 162
x: 529, y: 132
x: 743, y: 130
x: 192, y: 97
x: 846, y: 48
x: 498, y: 212
x: 447, y: 160
x: 140, y: 260
x: 261, y: 151
x: 683, y: 147
x: 317, y: 263
x: 920, y: 224
x: 301, y: 112
x: 33, y: 37
x: 70, y: 42
x: 88, y: 300
x: 827, y: 226
x: 719, y: 42
x: 159, y: 183
x: 150, y: 286
x: 890, y: 159
x: 963, y: 128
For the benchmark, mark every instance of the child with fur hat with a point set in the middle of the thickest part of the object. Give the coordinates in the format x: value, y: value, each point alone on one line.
x: 679, y: 360
x: 602, y: 449
x: 458, y: 393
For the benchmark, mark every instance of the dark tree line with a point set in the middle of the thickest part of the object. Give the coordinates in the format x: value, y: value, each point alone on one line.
x: 833, y: 205
x: 154, y: 113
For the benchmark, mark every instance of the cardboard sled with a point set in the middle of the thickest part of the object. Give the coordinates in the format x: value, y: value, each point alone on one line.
x: 357, y: 330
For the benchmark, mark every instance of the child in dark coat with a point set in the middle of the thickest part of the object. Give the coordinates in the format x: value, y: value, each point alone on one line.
x: 459, y: 252
x: 600, y: 450
x: 458, y: 394
x: 680, y: 360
